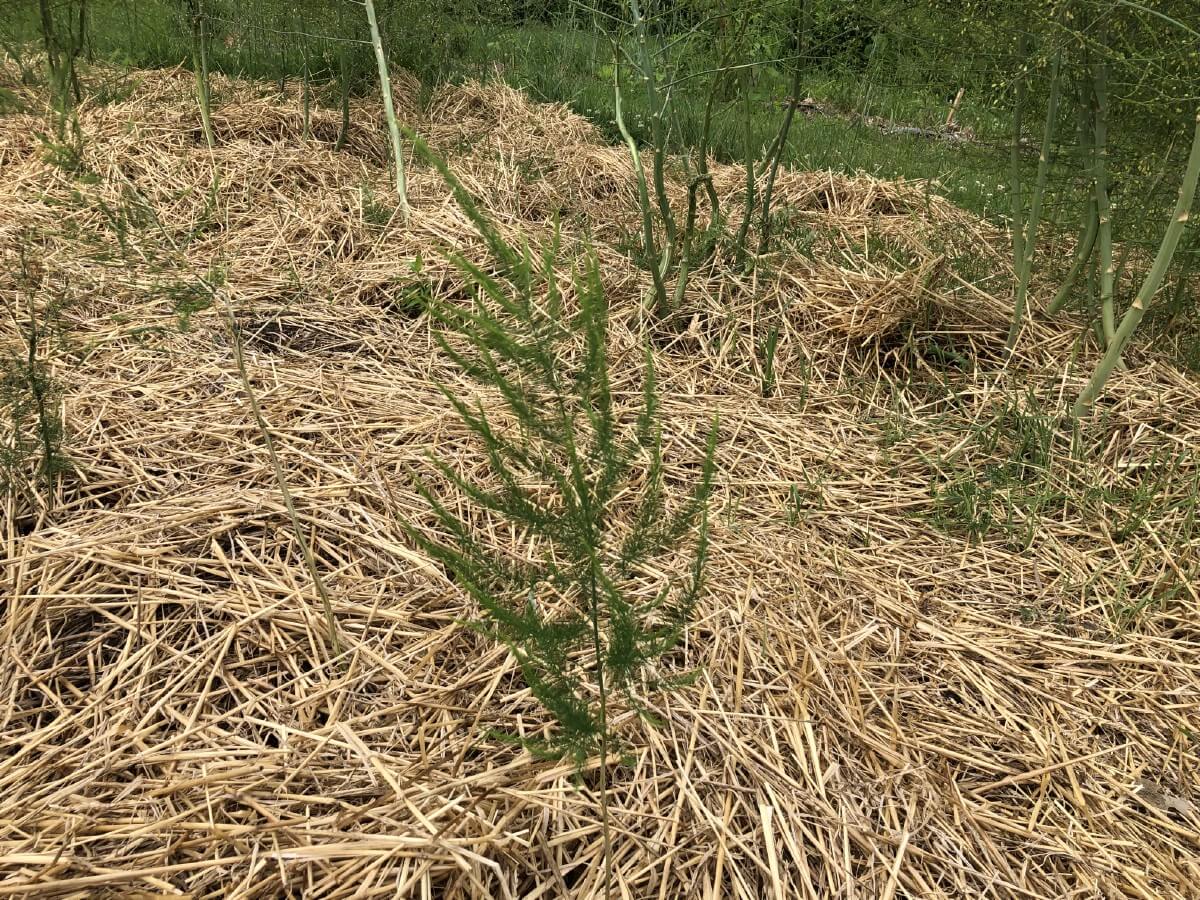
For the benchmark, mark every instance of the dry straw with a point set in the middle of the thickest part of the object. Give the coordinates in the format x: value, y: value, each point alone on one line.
x: 883, y: 709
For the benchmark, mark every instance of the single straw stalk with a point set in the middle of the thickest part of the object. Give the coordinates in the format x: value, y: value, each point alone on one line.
x: 281, y: 480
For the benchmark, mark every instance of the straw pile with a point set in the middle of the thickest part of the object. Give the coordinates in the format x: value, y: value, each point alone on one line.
x: 885, y: 708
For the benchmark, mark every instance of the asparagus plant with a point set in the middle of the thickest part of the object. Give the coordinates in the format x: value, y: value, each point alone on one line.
x: 30, y: 394
x: 1103, y: 206
x: 580, y: 631
x: 199, y: 36
x: 64, y: 30
x: 1153, y: 281
x: 389, y: 109
x: 657, y: 265
x: 1028, y: 242
x: 1014, y: 161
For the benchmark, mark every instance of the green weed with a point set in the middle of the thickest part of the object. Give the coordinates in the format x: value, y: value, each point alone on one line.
x: 67, y: 155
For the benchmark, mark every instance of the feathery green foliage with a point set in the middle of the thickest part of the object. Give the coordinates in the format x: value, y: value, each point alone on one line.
x: 30, y: 394
x: 563, y: 476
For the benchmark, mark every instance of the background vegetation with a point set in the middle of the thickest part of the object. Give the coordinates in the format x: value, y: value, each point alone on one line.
x: 875, y: 82
x: 899, y: 60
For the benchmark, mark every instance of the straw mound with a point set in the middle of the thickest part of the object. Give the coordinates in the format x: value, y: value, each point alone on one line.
x: 507, y: 118
x: 552, y: 160
x: 883, y: 708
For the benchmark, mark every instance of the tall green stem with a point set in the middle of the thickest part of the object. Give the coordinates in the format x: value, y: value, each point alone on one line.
x: 1089, y: 225
x: 37, y: 389
x: 764, y: 238
x: 602, y: 687
x: 344, y: 85
x: 1083, y: 252
x: 56, y: 65
x: 583, y: 490
x: 649, y: 248
x: 200, y: 68
x: 78, y: 39
x: 1029, y: 240
x: 703, y: 178
x: 1154, y: 279
x: 1103, y: 206
x: 1093, y: 292
x: 389, y: 110
x: 1014, y: 161
x: 748, y: 153
x: 305, y: 85
x: 1175, y: 306
x: 702, y: 149
x: 657, y: 108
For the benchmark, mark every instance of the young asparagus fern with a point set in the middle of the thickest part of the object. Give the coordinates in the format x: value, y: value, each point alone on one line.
x: 584, y: 487
x: 30, y: 394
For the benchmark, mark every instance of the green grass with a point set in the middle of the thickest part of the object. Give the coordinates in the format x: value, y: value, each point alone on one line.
x: 1015, y: 470
x: 576, y: 68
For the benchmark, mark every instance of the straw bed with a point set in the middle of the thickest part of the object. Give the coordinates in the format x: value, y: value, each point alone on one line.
x: 884, y: 707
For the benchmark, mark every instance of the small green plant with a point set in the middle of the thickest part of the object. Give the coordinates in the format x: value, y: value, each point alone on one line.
x: 116, y: 89
x: 1025, y: 435
x: 10, y: 102
x: 586, y: 490
x: 943, y: 354
x: 991, y: 504
x: 770, y: 345
x: 531, y: 169
x: 30, y: 394
x: 188, y: 302
x: 126, y: 219
x: 965, y: 504
x: 190, y: 297
x: 1007, y: 495
x: 1141, y: 499
x: 410, y: 299
x: 67, y: 153
x: 804, y: 499
x: 374, y: 212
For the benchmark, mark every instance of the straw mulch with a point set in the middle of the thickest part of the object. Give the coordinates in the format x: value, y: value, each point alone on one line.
x: 885, y: 707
